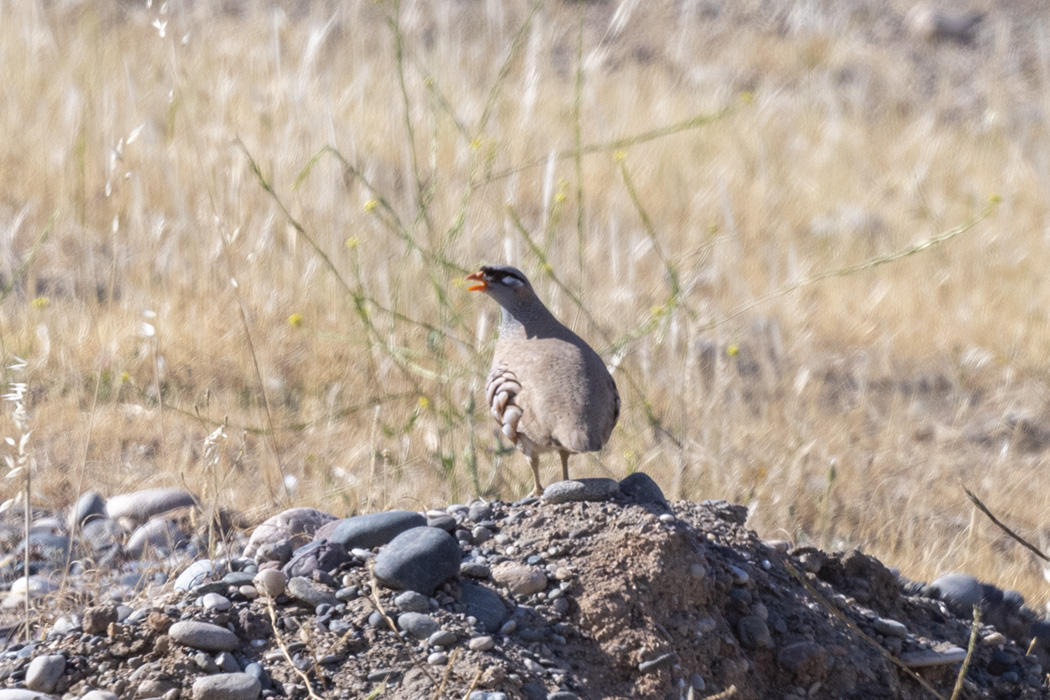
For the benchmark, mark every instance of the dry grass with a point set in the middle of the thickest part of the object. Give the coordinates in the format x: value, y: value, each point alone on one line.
x: 348, y: 358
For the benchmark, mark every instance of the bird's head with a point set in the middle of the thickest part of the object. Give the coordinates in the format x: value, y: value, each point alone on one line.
x: 506, y: 284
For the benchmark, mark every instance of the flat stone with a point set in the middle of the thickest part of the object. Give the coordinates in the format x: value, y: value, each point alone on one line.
x: 932, y: 657
x: 203, y: 635
x: 22, y: 694
x: 99, y: 695
x: 479, y: 510
x: 420, y: 560
x: 296, y: 525
x: 44, y: 672
x: 160, y: 534
x: 475, y: 569
x: 410, y: 601
x: 484, y: 643
x: 139, y: 506
x: 961, y: 590
x: 519, y: 579
x: 444, y: 521
x: 226, y: 686
x: 640, y: 488
x: 890, y: 628
x: 596, y: 489
x: 417, y: 624
x: 90, y: 506
x: 484, y: 604
x: 441, y: 638
x: 311, y: 592
x: 371, y: 530
x: 215, y: 602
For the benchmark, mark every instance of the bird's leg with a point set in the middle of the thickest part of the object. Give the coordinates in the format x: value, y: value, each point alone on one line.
x: 564, y: 465
x: 534, y: 462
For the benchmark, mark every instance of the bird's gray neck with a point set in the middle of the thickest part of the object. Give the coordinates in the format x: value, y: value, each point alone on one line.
x: 527, y: 322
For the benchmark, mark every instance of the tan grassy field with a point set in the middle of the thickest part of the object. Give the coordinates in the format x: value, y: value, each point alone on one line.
x: 673, y: 179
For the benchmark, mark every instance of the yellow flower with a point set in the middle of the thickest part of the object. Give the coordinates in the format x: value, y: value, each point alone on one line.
x: 295, y: 320
x: 475, y: 144
x: 124, y: 377
x: 733, y: 350
x: 40, y: 302
x: 351, y: 242
x: 371, y: 204
x: 620, y: 156
x: 424, y: 402
x: 747, y: 97
x: 995, y: 198
x: 560, y: 197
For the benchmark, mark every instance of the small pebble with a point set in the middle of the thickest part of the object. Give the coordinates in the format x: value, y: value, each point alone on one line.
x: 484, y: 643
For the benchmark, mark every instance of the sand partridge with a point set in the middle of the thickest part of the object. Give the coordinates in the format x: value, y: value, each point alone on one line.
x: 548, y: 390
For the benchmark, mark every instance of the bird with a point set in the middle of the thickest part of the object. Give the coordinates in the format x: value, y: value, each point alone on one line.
x: 548, y: 390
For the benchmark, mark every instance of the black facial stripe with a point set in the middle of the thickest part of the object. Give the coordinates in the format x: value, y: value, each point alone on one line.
x: 499, y: 276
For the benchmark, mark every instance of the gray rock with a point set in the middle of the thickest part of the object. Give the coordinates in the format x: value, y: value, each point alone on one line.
x: 203, y: 635
x: 519, y: 579
x: 102, y: 534
x: 410, y: 601
x: 22, y: 694
x: 753, y: 632
x: 438, y: 658
x: 808, y: 661
x: 484, y: 643
x: 486, y: 695
x: 441, y: 638
x: 640, y: 488
x: 891, y: 628
x: 420, y: 560
x: 256, y: 670
x: 417, y: 624
x: 319, y: 555
x: 444, y: 521
x: 310, y: 592
x: 90, y: 506
x: 372, y: 530
x: 295, y: 525
x: 160, y: 533
x: 931, y: 657
x: 194, y: 575
x: 140, y: 506
x: 99, y: 695
x: 270, y: 582
x: 227, y: 663
x: 484, y: 605
x: 475, y: 569
x: 226, y: 686
x: 44, y: 672
x: 598, y: 489
x: 479, y: 510
x: 215, y: 602
x: 563, y: 695
x: 958, y: 589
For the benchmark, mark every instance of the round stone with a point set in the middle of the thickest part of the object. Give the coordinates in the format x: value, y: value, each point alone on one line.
x: 215, y: 602
x: 484, y: 643
x: 270, y: 582
x: 226, y: 686
x: 484, y: 605
x: 597, y: 489
x: 410, y: 601
x: 640, y: 488
x: 519, y: 579
x: 371, y: 530
x: 311, y: 592
x: 140, y: 506
x: 203, y: 635
x: 44, y: 672
x: 753, y: 632
x: 296, y: 525
x: 420, y: 560
x: 417, y: 624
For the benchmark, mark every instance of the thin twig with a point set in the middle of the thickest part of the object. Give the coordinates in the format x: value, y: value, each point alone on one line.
x: 969, y: 652
x: 284, y: 650
x: 984, y: 509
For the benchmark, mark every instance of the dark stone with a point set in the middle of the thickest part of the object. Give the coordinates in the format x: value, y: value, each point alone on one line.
x: 485, y: 605
x: 753, y: 632
x: 90, y: 506
x: 808, y: 661
x: 641, y: 489
x: 319, y: 555
x: 419, y: 559
x: 371, y: 530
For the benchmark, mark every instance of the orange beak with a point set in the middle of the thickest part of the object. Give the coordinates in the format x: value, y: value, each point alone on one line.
x: 481, y: 285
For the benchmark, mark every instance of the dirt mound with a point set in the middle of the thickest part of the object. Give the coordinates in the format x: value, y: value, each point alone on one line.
x: 630, y: 601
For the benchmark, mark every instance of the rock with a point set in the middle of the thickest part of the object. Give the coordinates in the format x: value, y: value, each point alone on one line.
x: 484, y: 605
x: 203, y: 635
x: 140, y: 506
x: 597, y: 489
x: 194, y: 575
x: 519, y: 579
x: 44, y: 672
x: 161, y: 534
x: 226, y: 686
x: 410, y: 601
x: 417, y: 624
x: 891, y: 628
x: 310, y: 592
x: 372, y: 530
x: 479, y: 510
x: 441, y: 638
x: 270, y: 582
x: 932, y: 657
x: 90, y: 506
x: 484, y: 643
x: 319, y: 555
x: 102, y: 534
x: 100, y: 695
x: 21, y: 694
x: 753, y: 632
x: 641, y: 489
x: 420, y: 560
x: 806, y: 660
x: 958, y: 589
x: 297, y: 525
x: 96, y: 620
x: 215, y: 603
x: 443, y: 521
x: 475, y: 569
